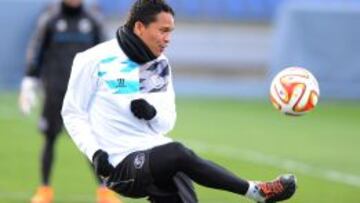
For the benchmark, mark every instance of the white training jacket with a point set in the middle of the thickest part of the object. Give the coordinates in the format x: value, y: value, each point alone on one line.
x: 96, y: 109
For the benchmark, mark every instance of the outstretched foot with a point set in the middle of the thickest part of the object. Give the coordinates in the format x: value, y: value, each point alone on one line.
x: 280, y: 189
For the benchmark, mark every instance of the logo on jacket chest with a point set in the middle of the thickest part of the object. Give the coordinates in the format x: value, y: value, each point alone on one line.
x: 121, y: 82
x: 61, y: 25
x: 119, y: 77
x: 84, y: 25
x: 117, y: 83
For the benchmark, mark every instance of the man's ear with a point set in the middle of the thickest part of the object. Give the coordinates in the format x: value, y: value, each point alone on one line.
x: 139, y: 28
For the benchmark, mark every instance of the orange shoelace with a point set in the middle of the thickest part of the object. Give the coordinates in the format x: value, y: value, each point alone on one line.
x: 271, y: 189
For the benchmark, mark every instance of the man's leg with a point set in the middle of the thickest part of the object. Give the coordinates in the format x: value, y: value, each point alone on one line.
x: 167, y: 160
x: 168, y: 199
x: 50, y: 125
x: 164, y: 193
x: 44, y: 193
x: 47, y: 158
x: 180, y: 189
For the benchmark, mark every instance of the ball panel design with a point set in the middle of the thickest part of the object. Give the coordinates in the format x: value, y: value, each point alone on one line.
x: 294, y: 91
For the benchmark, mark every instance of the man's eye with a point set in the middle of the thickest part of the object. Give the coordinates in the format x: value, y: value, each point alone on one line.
x: 165, y: 30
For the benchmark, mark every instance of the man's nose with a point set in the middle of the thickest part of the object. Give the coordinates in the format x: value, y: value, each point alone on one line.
x: 167, y: 38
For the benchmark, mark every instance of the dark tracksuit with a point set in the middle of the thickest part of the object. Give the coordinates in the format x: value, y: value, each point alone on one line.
x: 61, y: 32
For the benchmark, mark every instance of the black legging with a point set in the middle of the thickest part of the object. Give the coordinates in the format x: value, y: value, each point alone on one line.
x: 47, y: 158
x: 167, y: 160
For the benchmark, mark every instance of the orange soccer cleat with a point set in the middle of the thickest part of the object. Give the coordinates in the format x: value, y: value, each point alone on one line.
x: 279, y: 189
x: 44, y: 194
x: 105, y: 195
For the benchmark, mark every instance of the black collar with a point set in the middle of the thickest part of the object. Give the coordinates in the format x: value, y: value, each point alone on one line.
x: 133, y: 46
x: 71, y: 11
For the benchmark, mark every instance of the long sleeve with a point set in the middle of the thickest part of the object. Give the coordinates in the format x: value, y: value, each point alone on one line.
x: 37, y: 46
x: 81, y: 89
x: 165, y: 119
x: 100, y: 34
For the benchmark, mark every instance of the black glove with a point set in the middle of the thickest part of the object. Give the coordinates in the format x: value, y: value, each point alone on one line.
x: 142, y: 109
x: 101, y: 163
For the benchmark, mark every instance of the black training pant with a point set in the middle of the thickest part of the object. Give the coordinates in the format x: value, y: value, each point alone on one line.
x: 163, y: 174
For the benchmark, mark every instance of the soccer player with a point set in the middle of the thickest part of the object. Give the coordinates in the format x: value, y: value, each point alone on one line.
x: 63, y: 30
x: 119, y: 106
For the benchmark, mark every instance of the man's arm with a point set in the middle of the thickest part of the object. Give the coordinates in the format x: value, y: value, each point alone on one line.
x: 37, y: 45
x: 99, y: 25
x: 30, y: 83
x: 158, y: 109
x: 81, y: 89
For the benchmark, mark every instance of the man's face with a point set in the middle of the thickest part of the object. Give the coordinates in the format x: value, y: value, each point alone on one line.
x: 73, y: 3
x: 157, y: 34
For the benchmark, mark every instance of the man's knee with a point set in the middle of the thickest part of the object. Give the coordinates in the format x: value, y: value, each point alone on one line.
x: 50, y: 127
x: 181, y: 152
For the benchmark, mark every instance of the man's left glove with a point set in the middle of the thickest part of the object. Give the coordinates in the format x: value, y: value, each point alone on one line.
x: 142, y: 109
x: 101, y: 163
x: 27, y: 97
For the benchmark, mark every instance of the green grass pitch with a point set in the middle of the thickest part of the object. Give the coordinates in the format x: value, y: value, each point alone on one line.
x: 248, y: 137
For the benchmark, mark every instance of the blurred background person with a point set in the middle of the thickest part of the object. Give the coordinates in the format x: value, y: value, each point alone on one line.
x: 63, y: 30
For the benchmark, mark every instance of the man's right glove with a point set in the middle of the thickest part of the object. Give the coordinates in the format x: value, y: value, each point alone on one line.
x: 27, y: 98
x: 101, y: 163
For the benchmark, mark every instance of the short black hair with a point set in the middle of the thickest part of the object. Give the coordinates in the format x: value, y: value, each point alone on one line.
x: 145, y: 11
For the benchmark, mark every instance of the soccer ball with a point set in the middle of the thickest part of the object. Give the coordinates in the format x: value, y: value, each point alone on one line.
x: 294, y: 91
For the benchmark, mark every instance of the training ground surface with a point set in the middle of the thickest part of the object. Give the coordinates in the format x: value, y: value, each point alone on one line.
x: 250, y: 138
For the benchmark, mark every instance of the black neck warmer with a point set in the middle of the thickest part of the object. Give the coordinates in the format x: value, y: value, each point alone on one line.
x: 71, y: 11
x: 133, y: 46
